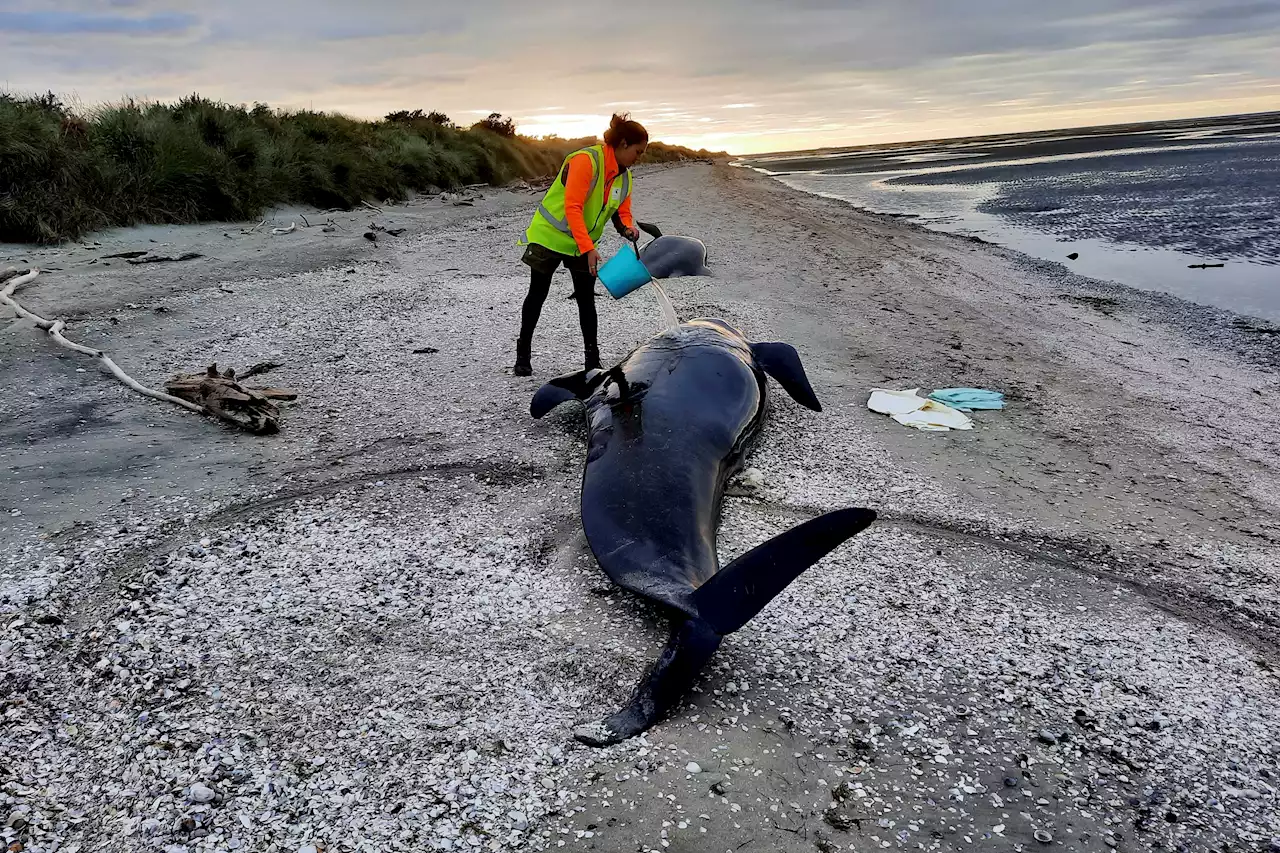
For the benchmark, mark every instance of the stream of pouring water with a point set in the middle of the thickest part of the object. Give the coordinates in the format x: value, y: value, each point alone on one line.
x: 664, y: 305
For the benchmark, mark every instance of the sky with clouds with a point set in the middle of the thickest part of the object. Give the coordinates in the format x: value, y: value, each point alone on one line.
x: 738, y: 75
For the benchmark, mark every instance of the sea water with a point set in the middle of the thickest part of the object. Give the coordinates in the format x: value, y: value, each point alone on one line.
x: 1141, y: 205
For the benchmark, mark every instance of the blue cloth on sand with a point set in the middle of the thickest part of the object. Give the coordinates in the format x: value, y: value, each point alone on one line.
x: 968, y: 399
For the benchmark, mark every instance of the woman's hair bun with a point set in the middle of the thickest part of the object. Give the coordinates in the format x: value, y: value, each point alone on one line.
x: 623, y: 131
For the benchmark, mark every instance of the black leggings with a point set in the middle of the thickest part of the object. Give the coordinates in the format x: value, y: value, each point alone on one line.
x: 584, y: 291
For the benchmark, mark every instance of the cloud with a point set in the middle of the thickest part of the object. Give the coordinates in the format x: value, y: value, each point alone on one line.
x: 763, y: 71
x: 65, y: 23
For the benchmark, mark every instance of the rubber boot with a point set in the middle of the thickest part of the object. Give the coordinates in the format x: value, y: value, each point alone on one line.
x: 522, y: 366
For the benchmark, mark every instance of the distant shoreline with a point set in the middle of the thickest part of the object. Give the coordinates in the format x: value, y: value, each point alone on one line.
x: 1111, y: 206
x: 1087, y: 130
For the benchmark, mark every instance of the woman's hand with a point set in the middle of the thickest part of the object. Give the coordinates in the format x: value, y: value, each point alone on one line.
x: 593, y: 261
x: 631, y: 234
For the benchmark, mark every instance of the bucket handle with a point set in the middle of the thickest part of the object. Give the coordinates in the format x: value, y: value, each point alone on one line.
x: 651, y: 230
x: 635, y: 246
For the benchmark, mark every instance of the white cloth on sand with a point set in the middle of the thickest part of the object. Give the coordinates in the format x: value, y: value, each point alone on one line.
x: 910, y: 409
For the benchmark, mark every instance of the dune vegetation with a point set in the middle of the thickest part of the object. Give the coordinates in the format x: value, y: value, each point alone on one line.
x: 65, y: 172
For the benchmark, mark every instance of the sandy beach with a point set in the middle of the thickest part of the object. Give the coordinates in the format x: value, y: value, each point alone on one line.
x: 376, y: 630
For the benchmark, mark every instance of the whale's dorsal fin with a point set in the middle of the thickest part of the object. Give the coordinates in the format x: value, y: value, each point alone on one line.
x: 782, y: 362
x: 650, y: 229
x: 562, y: 389
x: 741, y: 589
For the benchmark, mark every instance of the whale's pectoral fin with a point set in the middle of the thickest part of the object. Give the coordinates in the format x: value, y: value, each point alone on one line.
x: 741, y: 589
x: 782, y: 362
x: 548, y: 397
x: 562, y: 389
x: 650, y: 229
x: 691, y: 645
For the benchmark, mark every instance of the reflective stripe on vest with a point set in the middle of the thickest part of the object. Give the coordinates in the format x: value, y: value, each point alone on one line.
x: 594, y: 209
x: 562, y: 225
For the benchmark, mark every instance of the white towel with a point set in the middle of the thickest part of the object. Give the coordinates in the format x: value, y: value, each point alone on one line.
x: 910, y: 409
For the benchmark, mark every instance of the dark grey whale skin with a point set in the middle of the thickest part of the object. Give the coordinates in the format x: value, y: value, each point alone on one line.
x: 668, y: 427
x: 672, y: 256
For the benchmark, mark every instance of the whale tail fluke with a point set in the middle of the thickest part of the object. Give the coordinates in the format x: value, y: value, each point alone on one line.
x: 724, y: 604
x: 690, y: 646
x: 741, y: 589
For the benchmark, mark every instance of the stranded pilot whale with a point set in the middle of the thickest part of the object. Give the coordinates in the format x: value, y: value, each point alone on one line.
x: 671, y: 255
x: 668, y: 426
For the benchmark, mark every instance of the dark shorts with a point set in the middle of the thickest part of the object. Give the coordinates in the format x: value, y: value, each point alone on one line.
x: 545, y: 260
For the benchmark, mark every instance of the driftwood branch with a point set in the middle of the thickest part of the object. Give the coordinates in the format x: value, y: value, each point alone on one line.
x: 260, y: 367
x: 211, y: 393
x: 160, y: 259
x: 55, y: 327
x: 222, y: 396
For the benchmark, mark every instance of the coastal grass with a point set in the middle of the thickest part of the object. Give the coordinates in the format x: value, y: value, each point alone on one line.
x: 65, y: 173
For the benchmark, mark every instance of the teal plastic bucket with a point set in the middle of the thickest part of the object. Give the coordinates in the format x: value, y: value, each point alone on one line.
x: 623, y: 273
